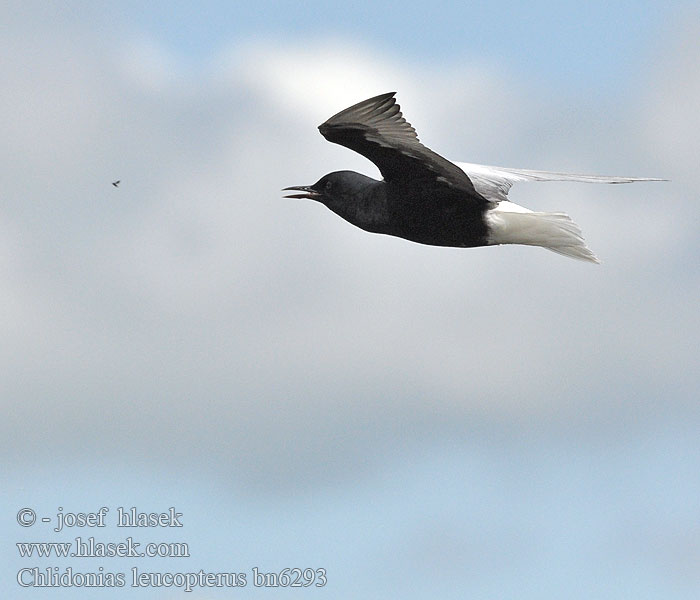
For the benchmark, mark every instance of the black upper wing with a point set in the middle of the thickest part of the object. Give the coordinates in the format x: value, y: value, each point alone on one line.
x: 376, y: 129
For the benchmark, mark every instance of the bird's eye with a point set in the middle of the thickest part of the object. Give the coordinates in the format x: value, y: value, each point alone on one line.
x: 329, y: 185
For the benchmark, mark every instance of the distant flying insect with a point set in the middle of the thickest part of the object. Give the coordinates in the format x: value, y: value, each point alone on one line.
x: 116, y: 183
x: 426, y: 198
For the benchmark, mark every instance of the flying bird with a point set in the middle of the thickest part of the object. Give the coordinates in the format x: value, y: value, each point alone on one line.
x: 426, y: 198
x: 116, y: 183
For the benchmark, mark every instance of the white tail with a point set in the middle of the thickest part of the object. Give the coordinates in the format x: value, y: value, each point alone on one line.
x: 512, y: 224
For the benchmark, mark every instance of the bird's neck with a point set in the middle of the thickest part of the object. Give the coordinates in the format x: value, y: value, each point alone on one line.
x: 366, y: 209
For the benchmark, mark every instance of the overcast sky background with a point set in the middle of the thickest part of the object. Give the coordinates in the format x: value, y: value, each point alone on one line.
x: 420, y: 422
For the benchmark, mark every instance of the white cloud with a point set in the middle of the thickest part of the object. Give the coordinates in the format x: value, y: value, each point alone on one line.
x: 671, y: 118
x: 195, y: 292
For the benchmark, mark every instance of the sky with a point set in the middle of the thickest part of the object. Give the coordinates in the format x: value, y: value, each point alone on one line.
x: 417, y: 422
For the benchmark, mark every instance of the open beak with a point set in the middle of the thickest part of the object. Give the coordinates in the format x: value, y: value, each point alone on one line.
x: 308, y: 192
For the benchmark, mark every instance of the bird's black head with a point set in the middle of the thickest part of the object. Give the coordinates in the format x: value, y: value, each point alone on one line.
x: 335, y: 188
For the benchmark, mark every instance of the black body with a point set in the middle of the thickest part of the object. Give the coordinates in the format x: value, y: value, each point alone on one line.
x: 423, y: 197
